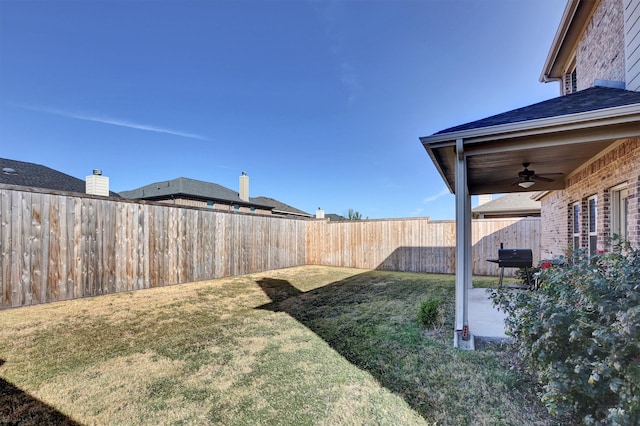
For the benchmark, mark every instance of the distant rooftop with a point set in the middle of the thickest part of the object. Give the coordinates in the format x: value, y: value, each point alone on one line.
x: 189, y: 187
x: 13, y: 172
x: 279, y: 206
x: 516, y: 203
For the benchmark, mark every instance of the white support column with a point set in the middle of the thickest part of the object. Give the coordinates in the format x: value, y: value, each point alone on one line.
x: 468, y: 247
x: 462, y: 339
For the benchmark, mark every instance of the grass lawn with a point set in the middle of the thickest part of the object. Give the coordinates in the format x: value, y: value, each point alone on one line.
x: 299, y: 346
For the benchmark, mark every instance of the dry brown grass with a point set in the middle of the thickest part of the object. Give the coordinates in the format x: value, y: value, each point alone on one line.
x: 308, y: 345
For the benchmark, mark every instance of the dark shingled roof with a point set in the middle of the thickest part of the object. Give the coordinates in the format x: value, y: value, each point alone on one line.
x: 33, y: 175
x: 591, y: 99
x: 190, y: 188
x: 280, y: 206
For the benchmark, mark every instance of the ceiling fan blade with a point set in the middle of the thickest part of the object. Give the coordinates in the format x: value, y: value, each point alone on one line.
x: 541, y: 178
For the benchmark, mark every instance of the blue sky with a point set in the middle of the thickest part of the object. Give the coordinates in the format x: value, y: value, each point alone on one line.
x: 320, y: 102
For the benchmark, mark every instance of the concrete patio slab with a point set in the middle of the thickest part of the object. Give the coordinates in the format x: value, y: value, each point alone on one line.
x: 485, y: 321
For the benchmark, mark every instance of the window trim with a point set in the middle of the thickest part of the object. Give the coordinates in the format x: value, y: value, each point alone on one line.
x: 592, y: 224
x: 620, y: 212
x: 575, y: 224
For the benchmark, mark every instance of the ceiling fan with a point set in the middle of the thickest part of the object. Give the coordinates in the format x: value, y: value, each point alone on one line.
x: 526, y: 178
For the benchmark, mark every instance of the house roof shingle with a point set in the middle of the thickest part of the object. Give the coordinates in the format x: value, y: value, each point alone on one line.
x: 21, y: 173
x: 517, y: 202
x: 189, y: 187
x: 280, y: 206
x: 592, y: 99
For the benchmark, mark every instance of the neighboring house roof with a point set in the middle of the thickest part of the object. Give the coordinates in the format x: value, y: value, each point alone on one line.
x: 280, y: 207
x: 189, y: 188
x: 13, y: 172
x: 516, y: 204
x: 333, y: 216
x: 592, y: 99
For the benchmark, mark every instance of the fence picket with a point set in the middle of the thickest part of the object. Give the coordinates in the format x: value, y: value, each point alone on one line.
x: 57, y: 246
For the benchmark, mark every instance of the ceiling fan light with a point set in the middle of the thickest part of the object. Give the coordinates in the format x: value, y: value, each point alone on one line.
x: 526, y: 184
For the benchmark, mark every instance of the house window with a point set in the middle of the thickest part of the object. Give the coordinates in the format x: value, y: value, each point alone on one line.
x: 593, y: 216
x: 252, y: 209
x: 619, y: 210
x: 210, y: 204
x: 576, y: 225
x: 236, y: 208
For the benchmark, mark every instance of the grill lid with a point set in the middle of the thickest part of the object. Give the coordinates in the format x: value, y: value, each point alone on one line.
x: 515, y: 258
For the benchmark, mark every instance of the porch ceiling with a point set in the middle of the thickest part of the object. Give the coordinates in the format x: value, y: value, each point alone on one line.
x: 555, y: 145
x: 496, y: 172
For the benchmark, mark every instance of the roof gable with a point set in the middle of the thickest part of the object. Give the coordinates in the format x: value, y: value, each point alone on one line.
x: 575, y: 17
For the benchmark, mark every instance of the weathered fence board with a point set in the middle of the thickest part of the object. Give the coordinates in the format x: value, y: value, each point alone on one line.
x: 58, y: 246
x: 416, y: 245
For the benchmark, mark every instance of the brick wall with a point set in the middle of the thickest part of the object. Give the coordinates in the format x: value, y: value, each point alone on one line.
x: 217, y: 206
x: 556, y: 231
x: 601, y: 52
x: 620, y: 165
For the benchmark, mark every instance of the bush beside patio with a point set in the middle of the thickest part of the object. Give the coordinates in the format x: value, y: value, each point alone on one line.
x: 580, y: 333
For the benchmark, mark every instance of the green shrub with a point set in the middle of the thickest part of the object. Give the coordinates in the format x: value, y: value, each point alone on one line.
x: 580, y: 334
x: 535, y: 271
x: 429, y: 312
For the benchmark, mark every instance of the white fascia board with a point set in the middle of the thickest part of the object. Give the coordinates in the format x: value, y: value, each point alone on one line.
x: 583, y: 120
x: 558, y: 40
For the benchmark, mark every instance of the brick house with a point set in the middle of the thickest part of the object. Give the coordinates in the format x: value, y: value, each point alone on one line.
x: 581, y: 150
x: 196, y: 193
x: 597, y: 43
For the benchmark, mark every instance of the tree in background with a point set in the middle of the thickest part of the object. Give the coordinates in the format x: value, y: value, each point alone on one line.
x: 353, y: 215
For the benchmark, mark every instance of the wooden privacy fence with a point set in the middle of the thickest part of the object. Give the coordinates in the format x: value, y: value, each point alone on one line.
x: 58, y: 246
x: 416, y: 245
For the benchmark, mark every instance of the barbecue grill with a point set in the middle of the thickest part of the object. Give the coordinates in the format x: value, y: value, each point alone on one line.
x: 514, y: 258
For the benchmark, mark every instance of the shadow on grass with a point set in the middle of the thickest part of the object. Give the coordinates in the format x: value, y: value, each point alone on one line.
x: 370, y: 319
x: 19, y: 408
